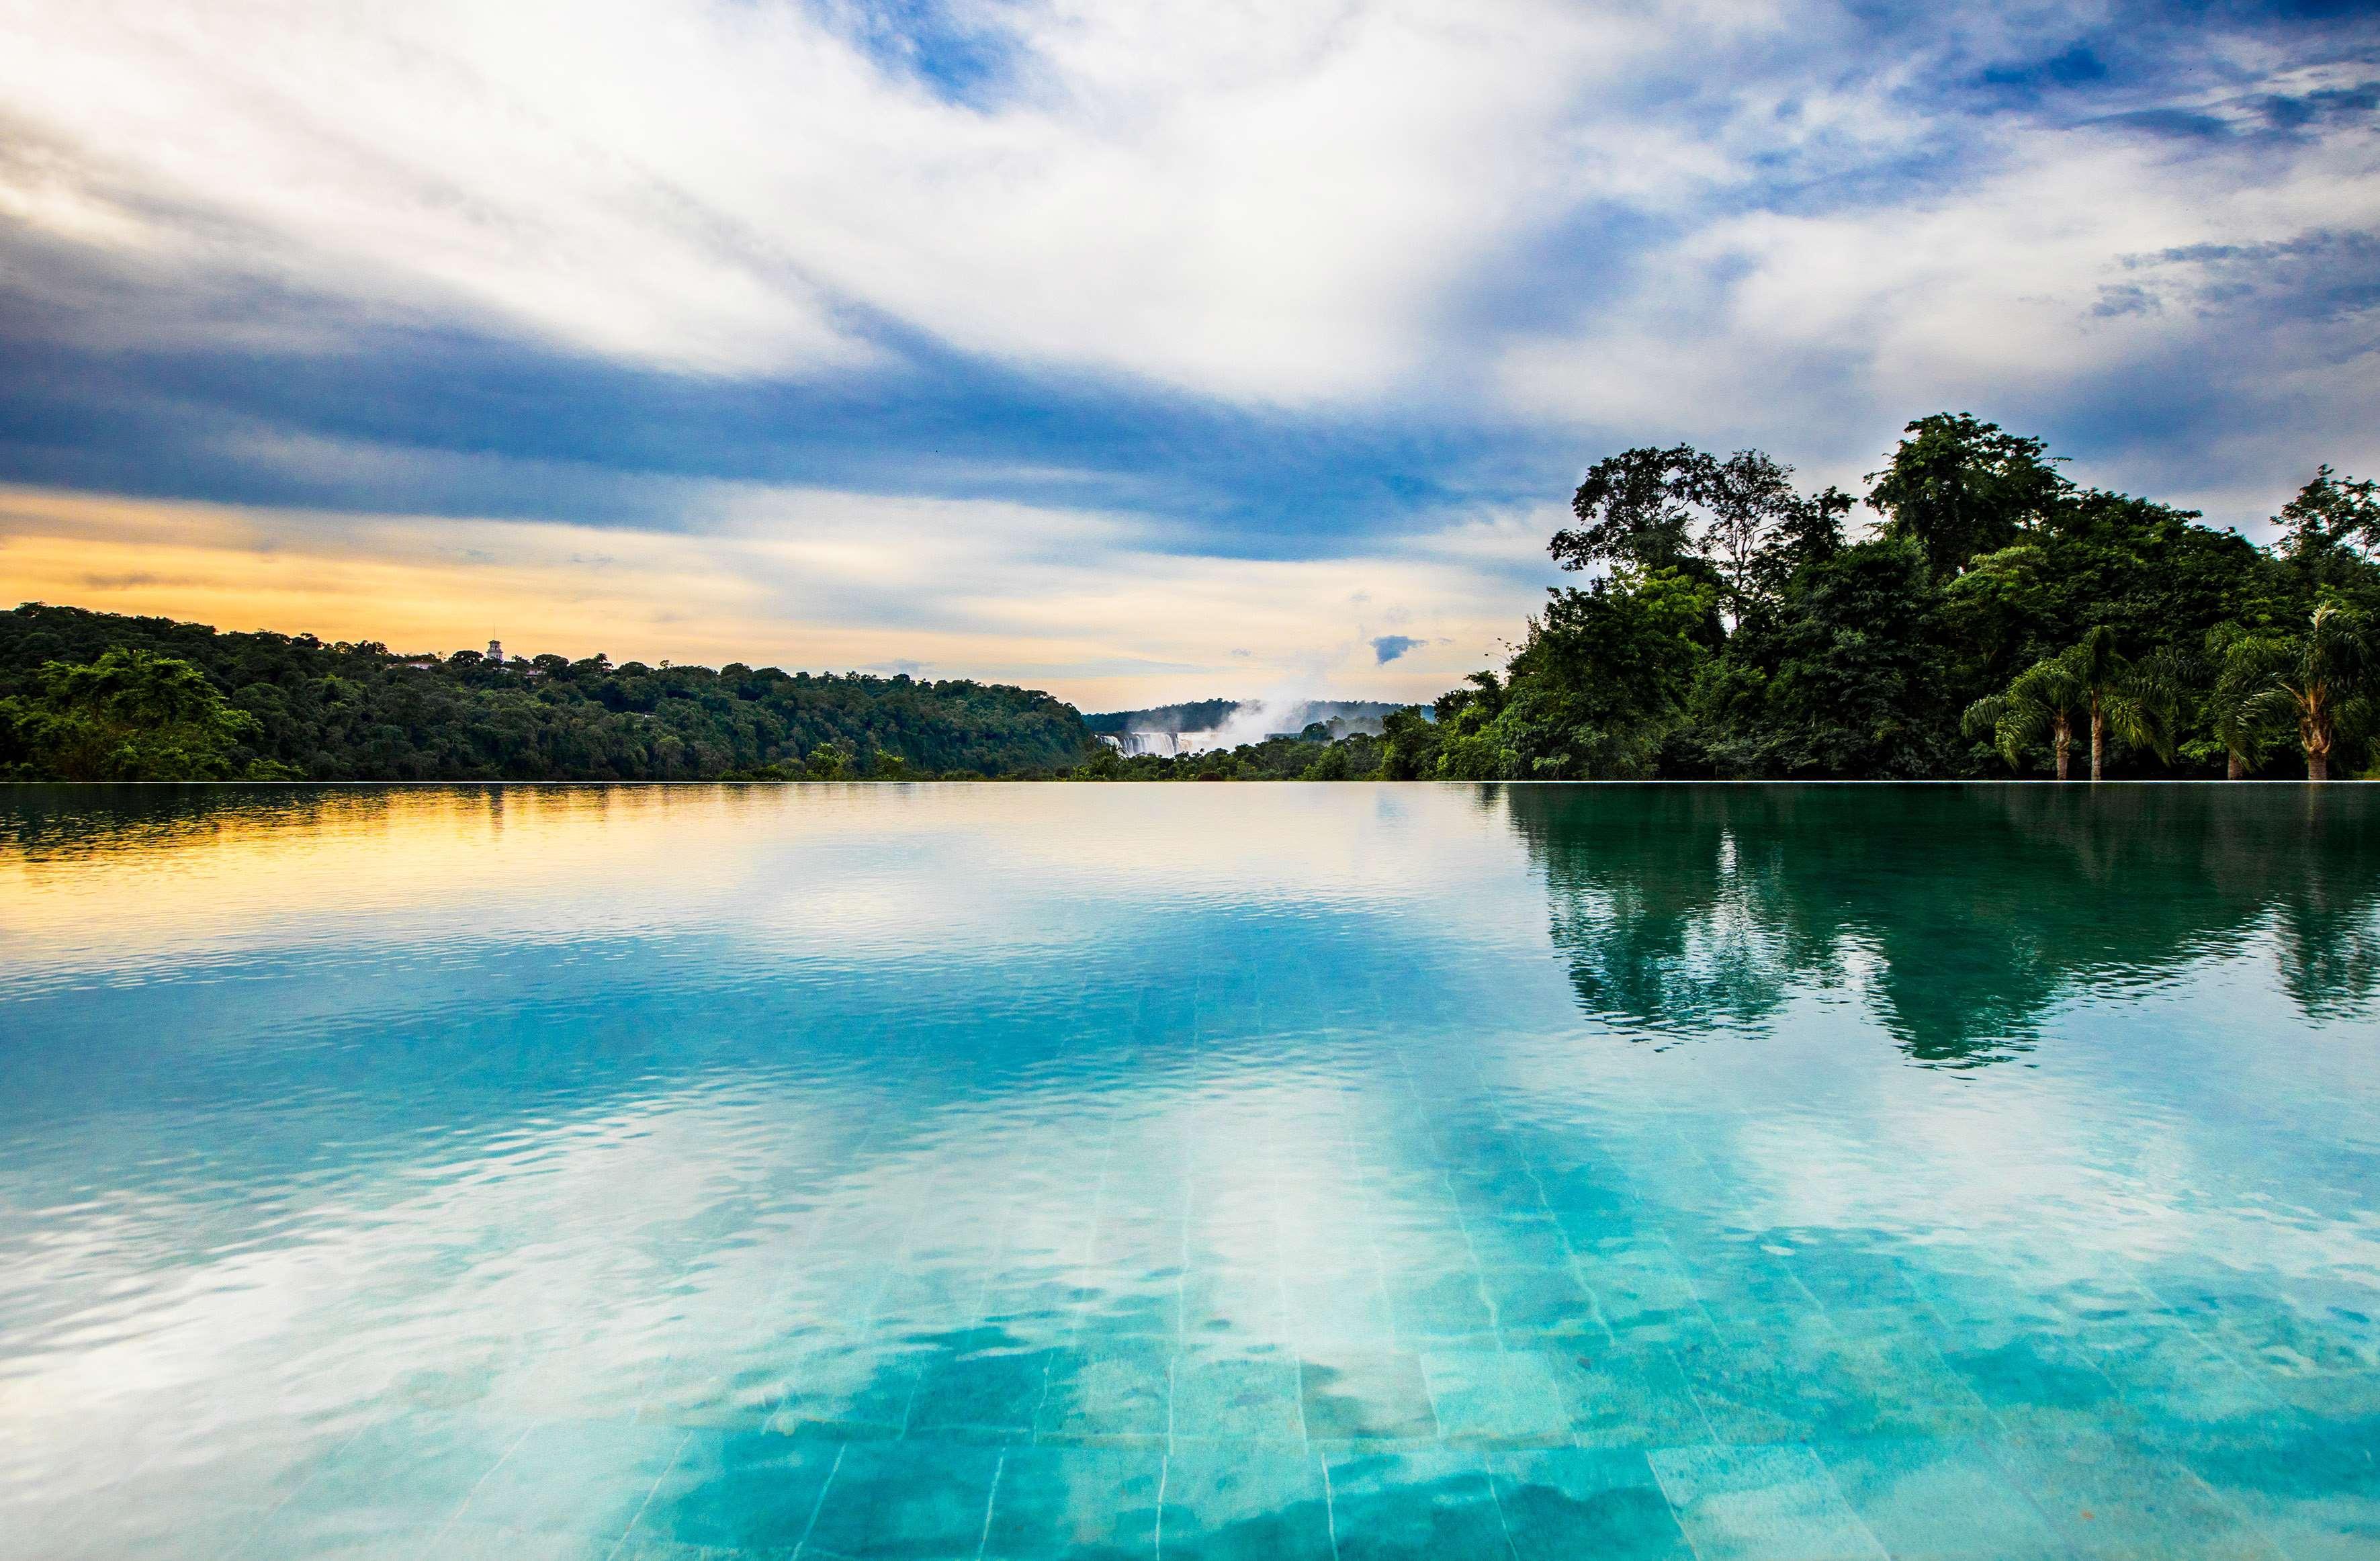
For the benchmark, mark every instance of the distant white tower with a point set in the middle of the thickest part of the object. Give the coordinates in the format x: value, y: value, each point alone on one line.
x: 495, y: 650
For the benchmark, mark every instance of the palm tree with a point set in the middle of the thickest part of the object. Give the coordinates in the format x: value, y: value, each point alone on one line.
x: 2132, y: 699
x: 2135, y: 699
x: 2235, y: 709
x: 2042, y: 700
x: 2320, y: 681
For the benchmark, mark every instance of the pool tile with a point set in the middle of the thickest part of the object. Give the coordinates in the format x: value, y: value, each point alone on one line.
x: 1761, y: 1504
x: 478, y: 1542
x: 2037, y: 1382
x: 1235, y: 1397
x: 905, y: 1501
x: 1244, y: 1502
x: 1530, y: 1242
x: 1431, y: 1504
x: 933, y: 1301
x: 1075, y: 1504
x: 1233, y: 1306
x: 2111, y: 1496
x: 739, y: 1492
x: 849, y: 1390
x: 1499, y: 1397
x: 981, y: 1389
x: 1437, y: 1305
x: 1532, y: 1303
x: 1631, y: 1397
x: 2178, y: 1383
x: 1366, y: 1396
x: 1945, y: 1500
x: 1348, y: 1308
x: 1642, y: 1291
x: 1113, y: 1390
x: 2313, y: 1485
x: 1576, y: 1504
x: 410, y: 1470
x: 575, y: 1478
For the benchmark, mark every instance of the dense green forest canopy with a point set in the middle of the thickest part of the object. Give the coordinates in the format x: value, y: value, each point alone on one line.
x: 92, y: 695
x: 1994, y: 619
x: 1988, y: 617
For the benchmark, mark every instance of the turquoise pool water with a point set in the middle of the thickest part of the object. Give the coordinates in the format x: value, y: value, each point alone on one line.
x: 1248, y: 1171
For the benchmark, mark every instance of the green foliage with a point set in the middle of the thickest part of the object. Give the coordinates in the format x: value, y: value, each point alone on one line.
x: 1598, y: 684
x: 341, y: 711
x: 2329, y: 513
x: 2321, y: 679
x: 1956, y: 486
x: 1841, y: 676
x: 1998, y: 614
x: 130, y: 715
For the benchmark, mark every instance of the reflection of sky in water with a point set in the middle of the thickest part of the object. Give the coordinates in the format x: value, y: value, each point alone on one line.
x: 1104, y: 1170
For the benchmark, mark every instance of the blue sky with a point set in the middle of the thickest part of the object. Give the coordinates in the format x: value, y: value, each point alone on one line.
x: 1135, y: 350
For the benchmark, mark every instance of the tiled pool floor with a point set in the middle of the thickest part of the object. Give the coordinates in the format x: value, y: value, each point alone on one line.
x: 1308, y: 1215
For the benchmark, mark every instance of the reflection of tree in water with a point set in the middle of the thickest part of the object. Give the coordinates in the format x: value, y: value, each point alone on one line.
x: 1966, y: 911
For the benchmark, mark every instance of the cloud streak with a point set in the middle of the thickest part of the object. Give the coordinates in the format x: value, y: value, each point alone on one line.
x: 1259, y: 286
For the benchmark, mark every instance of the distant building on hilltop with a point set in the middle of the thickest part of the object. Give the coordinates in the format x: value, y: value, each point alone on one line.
x: 495, y: 650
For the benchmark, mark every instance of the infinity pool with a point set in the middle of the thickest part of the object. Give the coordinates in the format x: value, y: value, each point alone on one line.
x: 1248, y: 1171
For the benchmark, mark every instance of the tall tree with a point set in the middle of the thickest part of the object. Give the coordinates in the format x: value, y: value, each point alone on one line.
x: 1637, y: 507
x: 2238, y: 718
x: 2321, y: 681
x: 1958, y: 486
x: 2132, y: 699
x: 2329, y: 513
x: 2042, y: 702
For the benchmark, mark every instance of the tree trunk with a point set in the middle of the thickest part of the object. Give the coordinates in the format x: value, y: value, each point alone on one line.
x: 2237, y: 769
x: 2317, y: 764
x: 2098, y: 739
x: 2062, y: 739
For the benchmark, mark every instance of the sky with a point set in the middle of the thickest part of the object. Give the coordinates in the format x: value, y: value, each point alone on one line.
x: 1135, y: 351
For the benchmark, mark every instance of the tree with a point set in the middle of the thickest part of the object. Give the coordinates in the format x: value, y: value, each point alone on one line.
x: 128, y: 716
x: 2041, y: 701
x: 1636, y: 508
x: 2134, y: 699
x: 1680, y: 509
x: 1409, y: 744
x: 2092, y: 679
x: 1598, y: 684
x: 2237, y: 719
x: 1958, y: 486
x: 2320, y: 681
x: 1750, y: 500
x: 1839, y: 677
x: 2329, y: 513
x: 1331, y: 764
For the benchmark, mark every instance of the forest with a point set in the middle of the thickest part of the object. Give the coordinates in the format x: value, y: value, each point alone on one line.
x: 1985, y: 617
x: 95, y: 696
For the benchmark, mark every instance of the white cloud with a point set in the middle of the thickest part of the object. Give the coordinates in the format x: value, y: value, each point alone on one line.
x: 1780, y: 222
x: 1259, y: 200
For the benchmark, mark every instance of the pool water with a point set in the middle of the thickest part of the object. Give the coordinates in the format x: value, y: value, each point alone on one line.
x: 1234, y: 1171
